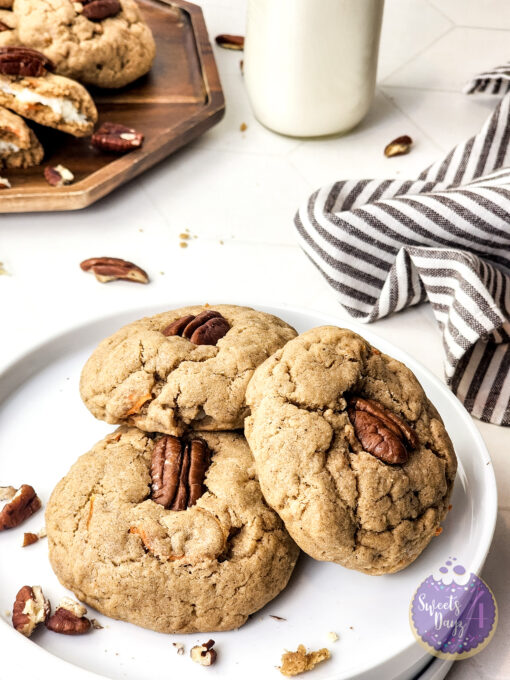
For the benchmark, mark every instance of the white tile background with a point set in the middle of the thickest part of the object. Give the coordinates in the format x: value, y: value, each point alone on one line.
x: 244, y: 188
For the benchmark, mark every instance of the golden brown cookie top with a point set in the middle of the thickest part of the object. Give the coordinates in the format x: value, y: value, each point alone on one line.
x: 166, y: 379
x: 107, y: 52
x: 349, y: 451
x: 203, y: 568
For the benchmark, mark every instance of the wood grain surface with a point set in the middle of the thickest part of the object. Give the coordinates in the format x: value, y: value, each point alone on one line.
x: 177, y: 101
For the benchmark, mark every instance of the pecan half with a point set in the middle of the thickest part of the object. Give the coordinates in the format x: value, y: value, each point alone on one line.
x: 58, y: 176
x: 178, y: 471
x: 97, y: 10
x: 398, y: 147
x: 204, y: 654
x: 69, y: 618
x: 111, y: 268
x: 230, y: 42
x: 381, y: 432
x: 23, y: 61
x: 204, y: 329
x: 22, y: 506
x: 116, y: 138
x: 29, y: 610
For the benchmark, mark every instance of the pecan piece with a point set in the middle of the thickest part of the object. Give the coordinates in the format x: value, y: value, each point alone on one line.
x: 111, y: 268
x: 116, y: 138
x: 178, y: 471
x: 58, y: 176
x: 4, y: 27
x: 230, y: 42
x: 398, y: 147
x: 22, y: 506
x: 204, y: 329
x: 69, y: 618
x: 23, y: 61
x: 29, y: 539
x: 29, y: 610
x: 204, y: 654
x: 97, y: 10
x: 381, y: 432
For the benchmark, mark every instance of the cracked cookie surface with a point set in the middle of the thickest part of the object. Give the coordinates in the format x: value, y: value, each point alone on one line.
x: 339, y: 502
x: 169, y: 384
x: 110, y: 53
x: 203, y: 569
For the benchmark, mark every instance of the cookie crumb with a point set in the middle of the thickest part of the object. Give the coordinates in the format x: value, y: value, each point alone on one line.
x: 294, y: 663
x: 221, y: 243
x: 243, y: 127
x: 96, y: 625
x: 179, y: 648
x: 7, y: 613
x: 184, y: 236
x: 276, y: 618
x: 439, y: 531
x: 42, y: 533
x: 183, y: 244
x: 333, y: 636
x: 3, y: 271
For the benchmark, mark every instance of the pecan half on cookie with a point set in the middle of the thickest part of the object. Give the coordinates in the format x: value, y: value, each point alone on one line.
x: 178, y: 472
x: 23, y: 61
x: 97, y: 10
x: 204, y: 329
x: 381, y: 432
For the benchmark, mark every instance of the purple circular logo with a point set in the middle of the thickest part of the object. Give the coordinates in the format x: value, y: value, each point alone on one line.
x: 453, y: 614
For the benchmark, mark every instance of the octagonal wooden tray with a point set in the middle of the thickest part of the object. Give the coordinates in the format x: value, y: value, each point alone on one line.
x: 177, y: 101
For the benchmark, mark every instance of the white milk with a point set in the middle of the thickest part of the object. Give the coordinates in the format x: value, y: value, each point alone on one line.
x: 310, y: 65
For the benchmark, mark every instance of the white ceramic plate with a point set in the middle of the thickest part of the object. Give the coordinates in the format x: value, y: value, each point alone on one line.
x: 44, y: 427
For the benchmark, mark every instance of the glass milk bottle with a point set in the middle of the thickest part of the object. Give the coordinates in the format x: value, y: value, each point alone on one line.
x: 310, y: 65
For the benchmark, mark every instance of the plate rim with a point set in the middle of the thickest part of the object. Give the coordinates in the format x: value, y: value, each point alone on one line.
x: 21, y: 360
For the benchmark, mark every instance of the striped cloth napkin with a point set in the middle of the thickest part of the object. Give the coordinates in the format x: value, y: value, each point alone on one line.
x: 444, y: 237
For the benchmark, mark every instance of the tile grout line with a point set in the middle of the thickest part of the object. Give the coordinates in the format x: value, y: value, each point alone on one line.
x: 406, y: 115
x: 419, y: 53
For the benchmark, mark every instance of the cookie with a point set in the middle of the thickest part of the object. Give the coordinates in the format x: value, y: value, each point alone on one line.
x: 178, y: 370
x: 109, y: 53
x: 349, y: 451
x: 19, y: 147
x: 50, y: 100
x: 206, y: 565
x: 8, y: 32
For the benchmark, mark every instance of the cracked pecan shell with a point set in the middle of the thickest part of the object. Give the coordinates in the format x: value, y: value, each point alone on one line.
x: 381, y: 432
x: 178, y: 471
x: 22, y: 506
x: 204, y: 329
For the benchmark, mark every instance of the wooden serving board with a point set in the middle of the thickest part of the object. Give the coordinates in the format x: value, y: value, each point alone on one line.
x: 177, y: 101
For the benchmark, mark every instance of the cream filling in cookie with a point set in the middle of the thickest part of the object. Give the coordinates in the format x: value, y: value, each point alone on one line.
x: 62, y: 107
x: 8, y: 147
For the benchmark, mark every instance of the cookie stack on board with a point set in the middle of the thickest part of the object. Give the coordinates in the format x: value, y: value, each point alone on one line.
x: 238, y: 442
x: 48, y: 48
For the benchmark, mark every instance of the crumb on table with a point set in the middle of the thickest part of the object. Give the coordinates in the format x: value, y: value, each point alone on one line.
x: 294, y: 663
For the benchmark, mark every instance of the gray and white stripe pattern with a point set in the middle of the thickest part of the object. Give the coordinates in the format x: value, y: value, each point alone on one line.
x: 445, y: 237
x: 495, y: 81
